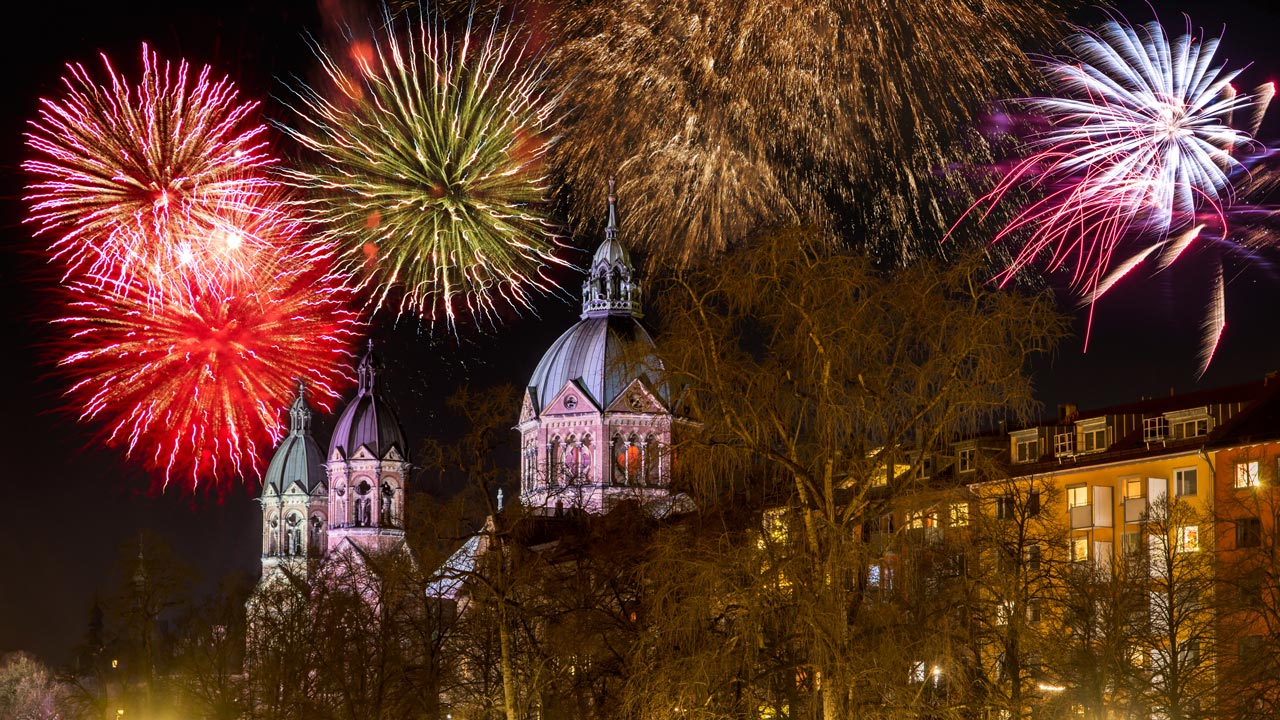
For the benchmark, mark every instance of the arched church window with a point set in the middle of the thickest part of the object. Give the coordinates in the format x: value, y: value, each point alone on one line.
x: 601, y: 287
x: 627, y: 460
x: 618, y: 450
x: 273, y: 535
x: 293, y: 534
x: 364, y: 504
x: 313, y: 536
x: 530, y: 465
x: 652, y: 455
x: 617, y: 284
x: 577, y: 462
x: 385, y: 516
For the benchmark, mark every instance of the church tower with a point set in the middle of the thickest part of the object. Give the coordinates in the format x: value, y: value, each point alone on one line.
x: 596, y: 424
x: 367, y: 470
x: 294, y: 499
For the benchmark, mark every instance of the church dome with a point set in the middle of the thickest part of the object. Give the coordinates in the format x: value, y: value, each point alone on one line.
x: 603, y: 353
x: 608, y: 348
x: 298, y: 459
x: 368, y: 420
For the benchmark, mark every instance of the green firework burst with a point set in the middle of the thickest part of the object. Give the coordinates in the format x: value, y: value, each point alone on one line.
x: 427, y: 164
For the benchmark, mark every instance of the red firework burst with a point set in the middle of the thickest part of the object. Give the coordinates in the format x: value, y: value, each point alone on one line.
x: 134, y: 182
x: 194, y: 385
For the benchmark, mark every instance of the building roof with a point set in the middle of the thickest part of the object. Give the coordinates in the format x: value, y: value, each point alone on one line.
x: 604, y: 355
x: 1244, y: 413
x: 368, y: 420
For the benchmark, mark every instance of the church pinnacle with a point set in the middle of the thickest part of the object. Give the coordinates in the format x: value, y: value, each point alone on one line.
x: 367, y: 372
x: 300, y: 412
x: 611, y: 287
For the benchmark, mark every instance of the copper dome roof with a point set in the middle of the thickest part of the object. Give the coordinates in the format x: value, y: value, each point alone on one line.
x: 298, y: 458
x: 603, y: 354
x: 368, y: 420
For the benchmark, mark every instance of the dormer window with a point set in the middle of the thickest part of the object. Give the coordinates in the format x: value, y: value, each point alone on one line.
x: 1155, y: 429
x: 1093, y: 435
x: 1026, y: 446
x: 964, y: 460
x: 1191, y: 429
x: 1187, y: 424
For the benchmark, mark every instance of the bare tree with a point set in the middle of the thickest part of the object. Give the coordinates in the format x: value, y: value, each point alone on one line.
x: 1021, y: 547
x: 812, y: 376
x: 1174, y: 644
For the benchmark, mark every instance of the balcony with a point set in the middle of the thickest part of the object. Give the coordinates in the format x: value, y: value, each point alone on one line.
x: 1095, y: 515
x: 1135, y: 510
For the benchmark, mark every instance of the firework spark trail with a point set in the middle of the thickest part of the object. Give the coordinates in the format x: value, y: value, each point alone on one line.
x: 427, y: 170
x: 1139, y: 148
x: 724, y: 118
x: 132, y: 180
x: 194, y: 385
x: 1215, y: 322
x: 1140, y: 161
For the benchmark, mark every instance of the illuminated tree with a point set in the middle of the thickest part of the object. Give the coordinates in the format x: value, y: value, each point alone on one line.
x: 812, y: 375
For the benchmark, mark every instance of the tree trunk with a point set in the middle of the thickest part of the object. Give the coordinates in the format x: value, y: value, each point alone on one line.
x: 508, y: 681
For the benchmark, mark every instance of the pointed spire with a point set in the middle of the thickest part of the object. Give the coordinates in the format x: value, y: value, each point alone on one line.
x: 300, y: 412
x: 367, y: 372
x: 611, y: 230
x: 611, y: 287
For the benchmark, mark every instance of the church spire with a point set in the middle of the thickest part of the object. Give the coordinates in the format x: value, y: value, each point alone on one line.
x: 300, y: 412
x: 611, y: 287
x: 611, y: 230
x: 367, y: 372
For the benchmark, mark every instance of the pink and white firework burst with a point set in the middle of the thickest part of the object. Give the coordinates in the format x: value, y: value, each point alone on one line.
x: 133, y: 183
x: 1141, y: 154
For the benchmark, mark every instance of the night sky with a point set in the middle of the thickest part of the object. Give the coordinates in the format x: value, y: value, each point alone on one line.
x: 68, y: 506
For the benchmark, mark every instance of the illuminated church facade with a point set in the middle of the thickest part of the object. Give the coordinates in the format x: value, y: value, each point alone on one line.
x: 596, y: 426
x: 348, y: 500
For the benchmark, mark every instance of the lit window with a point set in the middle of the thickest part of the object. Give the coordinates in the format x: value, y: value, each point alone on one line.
x: 577, y: 462
x: 1079, y: 549
x: 959, y: 514
x: 922, y: 519
x: 1077, y: 496
x: 918, y: 672
x: 873, y: 575
x: 1247, y: 474
x: 964, y: 460
x: 1134, y: 488
x: 1188, y: 538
